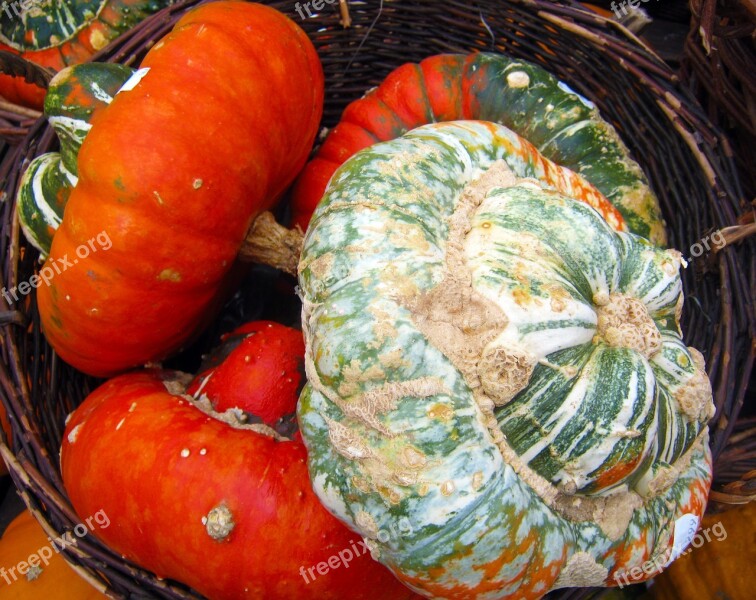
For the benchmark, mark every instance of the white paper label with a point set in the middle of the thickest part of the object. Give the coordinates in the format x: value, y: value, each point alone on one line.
x: 685, y: 530
x: 566, y: 88
x: 132, y: 81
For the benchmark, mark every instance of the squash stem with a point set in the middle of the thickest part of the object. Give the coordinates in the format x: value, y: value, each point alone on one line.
x: 269, y: 243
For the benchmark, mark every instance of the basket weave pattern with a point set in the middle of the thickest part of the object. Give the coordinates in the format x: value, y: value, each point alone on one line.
x: 688, y: 162
x: 719, y: 59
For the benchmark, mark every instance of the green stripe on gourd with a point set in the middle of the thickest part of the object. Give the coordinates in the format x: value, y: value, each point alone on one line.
x: 73, y: 96
x: 459, y: 313
x: 42, y: 196
x: 567, y: 129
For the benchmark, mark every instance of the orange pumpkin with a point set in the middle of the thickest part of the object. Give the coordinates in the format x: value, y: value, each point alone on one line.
x: 24, y: 577
x: 172, y: 175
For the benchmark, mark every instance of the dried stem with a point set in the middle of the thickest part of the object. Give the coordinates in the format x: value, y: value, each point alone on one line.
x: 269, y: 243
x: 737, y: 232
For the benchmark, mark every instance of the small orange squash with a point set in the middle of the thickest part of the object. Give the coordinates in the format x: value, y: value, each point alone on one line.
x: 51, y: 578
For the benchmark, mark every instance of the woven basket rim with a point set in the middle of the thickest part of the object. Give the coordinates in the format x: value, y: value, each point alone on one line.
x: 593, y: 39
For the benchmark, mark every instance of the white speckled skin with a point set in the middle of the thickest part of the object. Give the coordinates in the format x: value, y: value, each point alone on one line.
x: 485, y: 526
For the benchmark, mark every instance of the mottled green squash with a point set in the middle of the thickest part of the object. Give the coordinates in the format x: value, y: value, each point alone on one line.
x: 61, y: 33
x: 489, y: 360
x: 72, y: 98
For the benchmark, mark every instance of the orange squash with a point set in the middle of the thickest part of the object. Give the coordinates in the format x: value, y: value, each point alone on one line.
x: 172, y: 174
x: 23, y: 577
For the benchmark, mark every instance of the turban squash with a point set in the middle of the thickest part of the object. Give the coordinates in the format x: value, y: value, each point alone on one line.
x: 488, y: 359
x: 564, y: 126
x: 60, y: 33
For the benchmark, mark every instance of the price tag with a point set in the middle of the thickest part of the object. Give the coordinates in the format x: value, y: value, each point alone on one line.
x: 132, y: 81
x: 685, y: 529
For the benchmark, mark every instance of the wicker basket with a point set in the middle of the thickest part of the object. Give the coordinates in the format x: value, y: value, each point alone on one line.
x: 720, y: 57
x: 16, y: 120
x: 718, y: 65
x: 688, y: 162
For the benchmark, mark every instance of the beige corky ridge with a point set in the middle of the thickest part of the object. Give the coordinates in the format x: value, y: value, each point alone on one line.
x: 694, y: 399
x: 378, y: 473
x: 462, y: 323
x: 624, y: 322
x: 233, y: 417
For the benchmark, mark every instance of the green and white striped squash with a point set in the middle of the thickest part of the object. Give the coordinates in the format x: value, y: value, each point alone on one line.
x: 72, y: 98
x: 56, y: 34
x: 44, y: 24
x: 490, y: 362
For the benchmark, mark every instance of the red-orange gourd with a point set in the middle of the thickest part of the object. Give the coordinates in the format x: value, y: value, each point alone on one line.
x: 224, y: 507
x: 565, y: 127
x: 171, y: 176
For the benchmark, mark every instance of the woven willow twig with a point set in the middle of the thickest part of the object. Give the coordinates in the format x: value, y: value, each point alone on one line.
x: 718, y: 67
